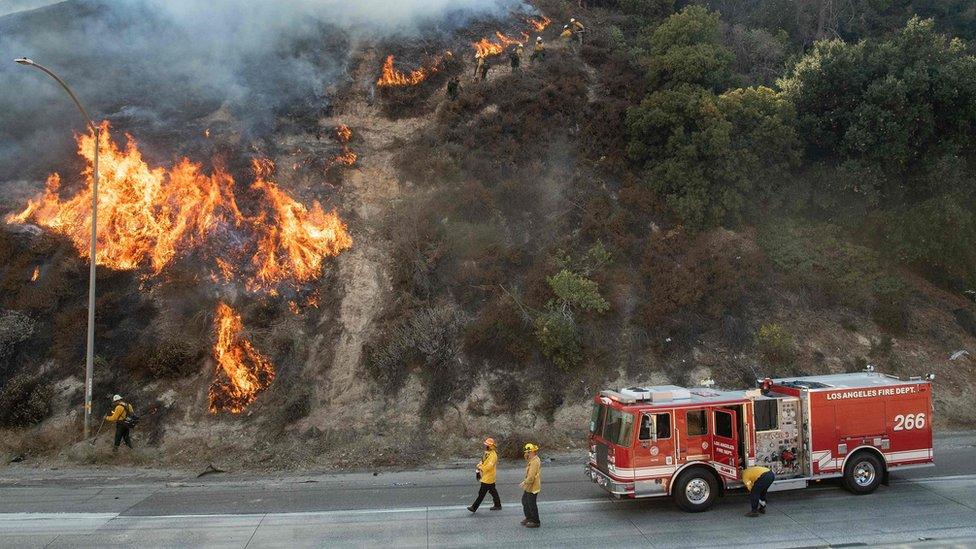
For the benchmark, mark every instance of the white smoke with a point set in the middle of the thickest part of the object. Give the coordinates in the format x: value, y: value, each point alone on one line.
x: 156, y: 66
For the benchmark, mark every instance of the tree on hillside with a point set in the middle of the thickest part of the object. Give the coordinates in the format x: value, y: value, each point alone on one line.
x: 687, y: 49
x: 707, y: 155
x: 894, y: 106
x: 808, y: 21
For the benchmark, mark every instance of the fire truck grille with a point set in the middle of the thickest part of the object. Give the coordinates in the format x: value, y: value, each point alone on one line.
x: 601, y: 457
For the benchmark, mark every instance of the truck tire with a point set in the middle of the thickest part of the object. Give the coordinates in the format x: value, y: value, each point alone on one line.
x: 695, y: 490
x: 863, y: 473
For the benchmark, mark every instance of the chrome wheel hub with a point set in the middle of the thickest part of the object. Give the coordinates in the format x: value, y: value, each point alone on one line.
x: 864, y: 473
x: 697, y: 490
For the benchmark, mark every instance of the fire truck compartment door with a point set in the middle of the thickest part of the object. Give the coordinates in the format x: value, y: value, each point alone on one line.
x: 725, y: 443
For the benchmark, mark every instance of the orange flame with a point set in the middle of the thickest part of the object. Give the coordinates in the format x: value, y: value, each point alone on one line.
x: 36, y: 274
x: 343, y: 133
x: 486, y: 48
x: 242, y: 372
x: 392, y: 77
x: 539, y: 23
x: 294, y: 241
x: 347, y: 158
x: 489, y: 48
x: 148, y: 217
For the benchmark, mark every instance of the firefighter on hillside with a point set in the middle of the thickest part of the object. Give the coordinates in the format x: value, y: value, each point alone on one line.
x: 454, y: 88
x: 120, y: 412
x: 578, y: 29
x: 477, y: 68
x: 483, y: 67
x: 757, y: 480
x: 539, y: 51
x: 515, y: 58
x: 486, y: 474
x: 532, y: 485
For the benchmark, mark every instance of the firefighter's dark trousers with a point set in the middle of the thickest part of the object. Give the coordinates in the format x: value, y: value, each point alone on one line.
x: 122, y: 433
x: 759, y: 489
x: 485, y: 489
x: 530, y: 507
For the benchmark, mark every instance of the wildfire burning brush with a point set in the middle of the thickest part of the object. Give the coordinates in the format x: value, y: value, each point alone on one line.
x: 539, y: 23
x: 391, y: 77
x: 149, y: 217
x: 242, y: 372
x: 489, y: 48
x: 348, y: 157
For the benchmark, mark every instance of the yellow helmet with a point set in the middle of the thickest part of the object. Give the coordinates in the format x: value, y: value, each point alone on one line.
x: 489, y: 441
x: 529, y: 447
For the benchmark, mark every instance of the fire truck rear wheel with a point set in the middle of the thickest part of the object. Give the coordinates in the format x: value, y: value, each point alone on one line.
x: 695, y: 490
x: 863, y: 473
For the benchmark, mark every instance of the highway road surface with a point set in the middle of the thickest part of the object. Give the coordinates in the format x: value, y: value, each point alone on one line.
x: 922, y: 507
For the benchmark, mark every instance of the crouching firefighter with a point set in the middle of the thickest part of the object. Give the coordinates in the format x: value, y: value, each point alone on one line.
x: 757, y: 480
x: 486, y: 474
x: 125, y: 419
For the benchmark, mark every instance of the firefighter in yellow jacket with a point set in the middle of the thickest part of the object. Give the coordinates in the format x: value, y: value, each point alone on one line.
x: 757, y: 480
x: 578, y: 29
x: 486, y: 474
x: 121, y: 410
x: 532, y: 485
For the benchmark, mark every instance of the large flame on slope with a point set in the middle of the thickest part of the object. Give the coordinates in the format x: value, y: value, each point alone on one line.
x: 489, y: 48
x: 147, y: 217
x: 393, y: 77
x: 242, y: 372
x: 539, y: 23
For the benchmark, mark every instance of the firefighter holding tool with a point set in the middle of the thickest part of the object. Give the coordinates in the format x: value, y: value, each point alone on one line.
x: 123, y: 415
x: 757, y: 480
x: 486, y: 474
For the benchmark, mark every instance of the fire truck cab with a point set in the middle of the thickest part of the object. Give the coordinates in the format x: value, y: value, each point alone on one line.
x: 692, y: 443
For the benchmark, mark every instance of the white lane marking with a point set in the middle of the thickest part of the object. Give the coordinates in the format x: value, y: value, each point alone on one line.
x: 12, y: 517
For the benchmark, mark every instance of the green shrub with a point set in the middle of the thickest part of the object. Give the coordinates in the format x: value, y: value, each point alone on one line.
x: 559, y: 338
x: 776, y: 344
x: 556, y: 327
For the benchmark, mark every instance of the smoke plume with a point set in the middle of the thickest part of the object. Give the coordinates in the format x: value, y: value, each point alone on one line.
x: 161, y: 69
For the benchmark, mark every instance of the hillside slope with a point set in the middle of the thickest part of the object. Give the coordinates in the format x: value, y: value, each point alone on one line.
x: 510, y: 255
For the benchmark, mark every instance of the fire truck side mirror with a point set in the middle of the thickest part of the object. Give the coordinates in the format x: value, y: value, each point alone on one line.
x: 930, y: 377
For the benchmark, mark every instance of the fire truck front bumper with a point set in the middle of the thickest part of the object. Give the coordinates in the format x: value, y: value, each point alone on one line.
x: 619, y: 489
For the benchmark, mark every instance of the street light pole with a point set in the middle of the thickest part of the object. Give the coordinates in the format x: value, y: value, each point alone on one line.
x: 90, y: 352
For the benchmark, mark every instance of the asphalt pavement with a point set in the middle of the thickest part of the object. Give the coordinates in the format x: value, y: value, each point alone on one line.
x: 927, y: 507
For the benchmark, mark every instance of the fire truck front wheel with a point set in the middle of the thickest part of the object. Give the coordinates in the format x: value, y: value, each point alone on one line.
x: 863, y: 473
x: 695, y: 490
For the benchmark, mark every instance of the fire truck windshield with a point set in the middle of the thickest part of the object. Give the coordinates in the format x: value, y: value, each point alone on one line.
x: 618, y: 427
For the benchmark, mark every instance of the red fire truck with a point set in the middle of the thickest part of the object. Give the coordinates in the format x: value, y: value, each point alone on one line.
x: 692, y: 444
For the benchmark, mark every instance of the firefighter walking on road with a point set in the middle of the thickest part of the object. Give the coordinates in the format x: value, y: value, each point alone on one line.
x: 486, y: 474
x: 532, y: 485
x: 757, y: 480
x: 121, y: 412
